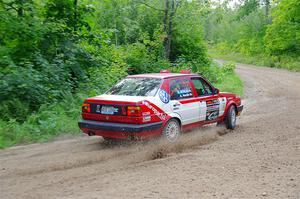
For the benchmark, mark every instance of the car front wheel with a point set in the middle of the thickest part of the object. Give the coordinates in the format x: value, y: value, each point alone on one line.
x: 230, y: 120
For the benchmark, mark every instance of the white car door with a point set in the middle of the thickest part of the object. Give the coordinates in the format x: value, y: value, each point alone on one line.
x: 211, y: 105
x: 182, y: 100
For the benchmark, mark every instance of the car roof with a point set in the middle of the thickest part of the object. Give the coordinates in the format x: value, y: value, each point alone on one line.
x: 163, y: 75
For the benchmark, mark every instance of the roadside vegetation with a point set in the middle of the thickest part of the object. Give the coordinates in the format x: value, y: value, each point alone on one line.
x: 257, y: 32
x: 54, y: 53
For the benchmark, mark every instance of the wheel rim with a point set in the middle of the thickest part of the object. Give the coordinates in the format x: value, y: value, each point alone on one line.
x: 233, y: 117
x: 172, y: 131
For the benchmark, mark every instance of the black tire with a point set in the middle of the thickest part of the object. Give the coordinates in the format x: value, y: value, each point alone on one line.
x: 172, y: 130
x: 230, y: 120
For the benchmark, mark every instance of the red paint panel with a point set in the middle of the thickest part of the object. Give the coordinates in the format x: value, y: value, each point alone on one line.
x: 198, y: 99
x: 111, y: 118
x: 123, y: 135
x: 157, y: 114
x: 95, y: 100
x: 201, y: 123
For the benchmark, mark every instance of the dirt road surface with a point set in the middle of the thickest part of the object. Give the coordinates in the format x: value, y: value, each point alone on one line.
x: 260, y: 159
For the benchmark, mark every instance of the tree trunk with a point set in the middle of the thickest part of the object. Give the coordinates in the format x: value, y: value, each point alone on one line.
x: 267, y: 7
x: 20, y: 10
x: 75, y: 14
x: 166, y: 16
x: 170, y: 30
x: 116, y: 33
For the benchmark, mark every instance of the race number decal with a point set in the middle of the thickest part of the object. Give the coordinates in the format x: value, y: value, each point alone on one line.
x: 212, y: 111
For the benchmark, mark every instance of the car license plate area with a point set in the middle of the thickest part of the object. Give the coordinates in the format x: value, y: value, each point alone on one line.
x: 108, y: 110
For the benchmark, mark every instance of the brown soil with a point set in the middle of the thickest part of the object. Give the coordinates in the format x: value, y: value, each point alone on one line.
x: 260, y: 159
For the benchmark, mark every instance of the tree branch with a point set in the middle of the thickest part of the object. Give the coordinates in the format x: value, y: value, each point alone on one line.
x: 9, y: 5
x: 149, y: 6
x: 177, y: 4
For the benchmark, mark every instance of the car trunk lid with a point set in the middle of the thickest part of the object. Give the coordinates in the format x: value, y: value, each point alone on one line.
x: 113, y: 108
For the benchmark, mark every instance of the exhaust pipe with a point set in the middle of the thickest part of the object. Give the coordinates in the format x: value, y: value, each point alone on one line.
x: 91, y: 133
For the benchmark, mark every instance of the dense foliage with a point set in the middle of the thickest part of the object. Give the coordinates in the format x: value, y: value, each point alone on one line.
x: 54, y: 53
x: 54, y: 48
x: 268, y: 31
x: 283, y: 34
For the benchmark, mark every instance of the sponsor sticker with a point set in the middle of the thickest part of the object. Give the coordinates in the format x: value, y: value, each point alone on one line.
x: 212, y: 111
x: 155, y: 111
x: 164, y: 96
x: 146, y: 118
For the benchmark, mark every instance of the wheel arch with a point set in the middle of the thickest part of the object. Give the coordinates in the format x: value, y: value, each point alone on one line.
x: 231, y: 103
x: 178, y: 120
x: 176, y: 117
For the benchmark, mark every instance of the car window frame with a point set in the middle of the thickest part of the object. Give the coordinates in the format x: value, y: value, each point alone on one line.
x: 159, y: 87
x: 190, y: 84
x: 202, y: 80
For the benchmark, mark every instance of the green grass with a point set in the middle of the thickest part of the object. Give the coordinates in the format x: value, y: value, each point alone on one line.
x: 286, y: 62
x: 44, y: 125
x: 224, y: 78
x: 231, y: 83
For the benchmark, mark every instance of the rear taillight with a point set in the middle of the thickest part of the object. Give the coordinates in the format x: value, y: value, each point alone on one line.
x: 135, y: 111
x: 86, y: 108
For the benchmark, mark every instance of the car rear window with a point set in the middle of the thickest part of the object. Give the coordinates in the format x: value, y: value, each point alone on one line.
x: 136, y: 87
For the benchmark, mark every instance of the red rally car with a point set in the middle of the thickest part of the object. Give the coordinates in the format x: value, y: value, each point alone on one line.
x: 162, y: 103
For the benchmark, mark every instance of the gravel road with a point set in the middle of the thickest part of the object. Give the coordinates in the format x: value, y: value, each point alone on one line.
x: 260, y: 159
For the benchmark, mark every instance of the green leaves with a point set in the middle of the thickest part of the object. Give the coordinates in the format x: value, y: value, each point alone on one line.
x: 50, y: 51
x: 251, y: 34
x: 283, y: 35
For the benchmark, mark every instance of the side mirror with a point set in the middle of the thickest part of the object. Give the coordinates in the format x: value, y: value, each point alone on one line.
x: 216, y: 91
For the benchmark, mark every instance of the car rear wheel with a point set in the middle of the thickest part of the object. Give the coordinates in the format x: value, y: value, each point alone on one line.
x: 230, y: 120
x: 171, y: 130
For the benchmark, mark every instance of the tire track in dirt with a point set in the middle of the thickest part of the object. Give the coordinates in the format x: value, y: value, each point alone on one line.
x: 132, y: 152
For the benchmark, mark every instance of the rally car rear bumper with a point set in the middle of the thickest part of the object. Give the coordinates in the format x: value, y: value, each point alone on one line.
x: 119, y: 130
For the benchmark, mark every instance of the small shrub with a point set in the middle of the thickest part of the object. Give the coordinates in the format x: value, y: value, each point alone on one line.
x: 228, y: 67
